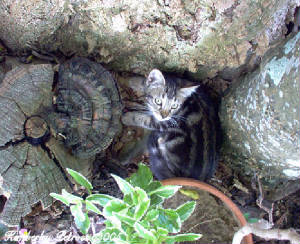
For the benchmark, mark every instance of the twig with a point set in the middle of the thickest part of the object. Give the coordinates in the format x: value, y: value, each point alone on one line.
x: 263, y: 228
x: 267, y: 234
x: 42, y: 56
x: 201, y: 223
x: 262, y: 203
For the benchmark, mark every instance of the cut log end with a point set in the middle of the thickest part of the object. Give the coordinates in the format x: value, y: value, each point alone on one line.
x: 36, y: 130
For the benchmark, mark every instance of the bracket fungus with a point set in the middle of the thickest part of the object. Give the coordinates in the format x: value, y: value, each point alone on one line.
x: 88, y: 107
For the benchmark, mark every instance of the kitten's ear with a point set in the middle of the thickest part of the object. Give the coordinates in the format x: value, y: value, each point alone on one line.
x: 155, y: 78
x: 187, y: 91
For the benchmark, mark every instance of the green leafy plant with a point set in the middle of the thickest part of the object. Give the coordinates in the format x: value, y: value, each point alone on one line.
x: 137, y: 218
x: 249, y: 219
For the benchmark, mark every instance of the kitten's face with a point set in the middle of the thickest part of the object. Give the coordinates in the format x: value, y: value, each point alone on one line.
x: 162, y: 104
x: 162, y: 107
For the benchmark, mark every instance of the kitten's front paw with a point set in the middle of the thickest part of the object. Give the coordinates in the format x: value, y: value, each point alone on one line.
x: 127, y: 118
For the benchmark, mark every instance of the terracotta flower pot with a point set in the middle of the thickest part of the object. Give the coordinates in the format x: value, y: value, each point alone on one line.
x: 210, y: 189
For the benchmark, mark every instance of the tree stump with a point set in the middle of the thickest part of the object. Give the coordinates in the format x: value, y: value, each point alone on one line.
x: 36, y: 130
x: 39, y: 139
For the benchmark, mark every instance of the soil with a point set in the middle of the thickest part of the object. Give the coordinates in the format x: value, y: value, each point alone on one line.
x: 211, y: 217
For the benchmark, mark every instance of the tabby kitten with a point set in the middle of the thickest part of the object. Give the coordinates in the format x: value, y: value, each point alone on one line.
x: 185, y: 128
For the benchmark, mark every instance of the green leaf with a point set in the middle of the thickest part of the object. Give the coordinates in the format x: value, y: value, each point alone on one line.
x: 119, y: 241
x: 144, y: 233
x: 153, y: 186
x: 124, y: 186
x: 142, y: 178
x: 85, y: 225
x: 143, y: 203
x: 151, y: 215
x: 252, y: 220
x: 185, y: 210
x: 101, y: 199
x: 91, y: 207
x: 170, y: 241
x: 115, y: 221
x: 190, y: 193
x: 145, y: 224
x: 162, y: 231
x: 70, y: 197
x: 60, y: 198
x: 81, y: 220
x: 165, y: 191
x: 135, y: 198
x: 76, y: 211
x: 183, y: 237
x: 128, y: 199
x: 247, y: 216
x: 156, y: 200
x: 127, y: 220
x: 108, y: 224
x: 80, y: 179
x: 168, y: 219
x: 129, y: 232
x: 114, y: 206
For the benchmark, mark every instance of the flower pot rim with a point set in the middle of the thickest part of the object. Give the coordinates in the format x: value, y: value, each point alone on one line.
x: 212, y: 190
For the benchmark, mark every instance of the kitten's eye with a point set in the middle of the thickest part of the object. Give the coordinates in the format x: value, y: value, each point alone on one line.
x: 174, y: 106
x: 157, y: 101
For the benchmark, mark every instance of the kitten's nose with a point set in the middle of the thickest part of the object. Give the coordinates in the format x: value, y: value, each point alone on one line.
x: 164, y: 113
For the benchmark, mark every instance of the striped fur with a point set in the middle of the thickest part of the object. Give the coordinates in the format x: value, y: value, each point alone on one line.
x: 184, y: 140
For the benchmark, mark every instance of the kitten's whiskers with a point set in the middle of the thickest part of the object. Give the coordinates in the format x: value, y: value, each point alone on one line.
x: 179, y: 117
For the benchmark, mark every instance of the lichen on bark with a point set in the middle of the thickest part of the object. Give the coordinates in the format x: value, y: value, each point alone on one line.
x: 260, y: 116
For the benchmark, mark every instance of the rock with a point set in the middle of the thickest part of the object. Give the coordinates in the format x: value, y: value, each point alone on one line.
x: 136, y: 83
x: 260, y: 117
x: 204, y: 38
x: 2, y: 74
x: 3, y: 230
x: 3, y: 52
x: 30, y: 22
